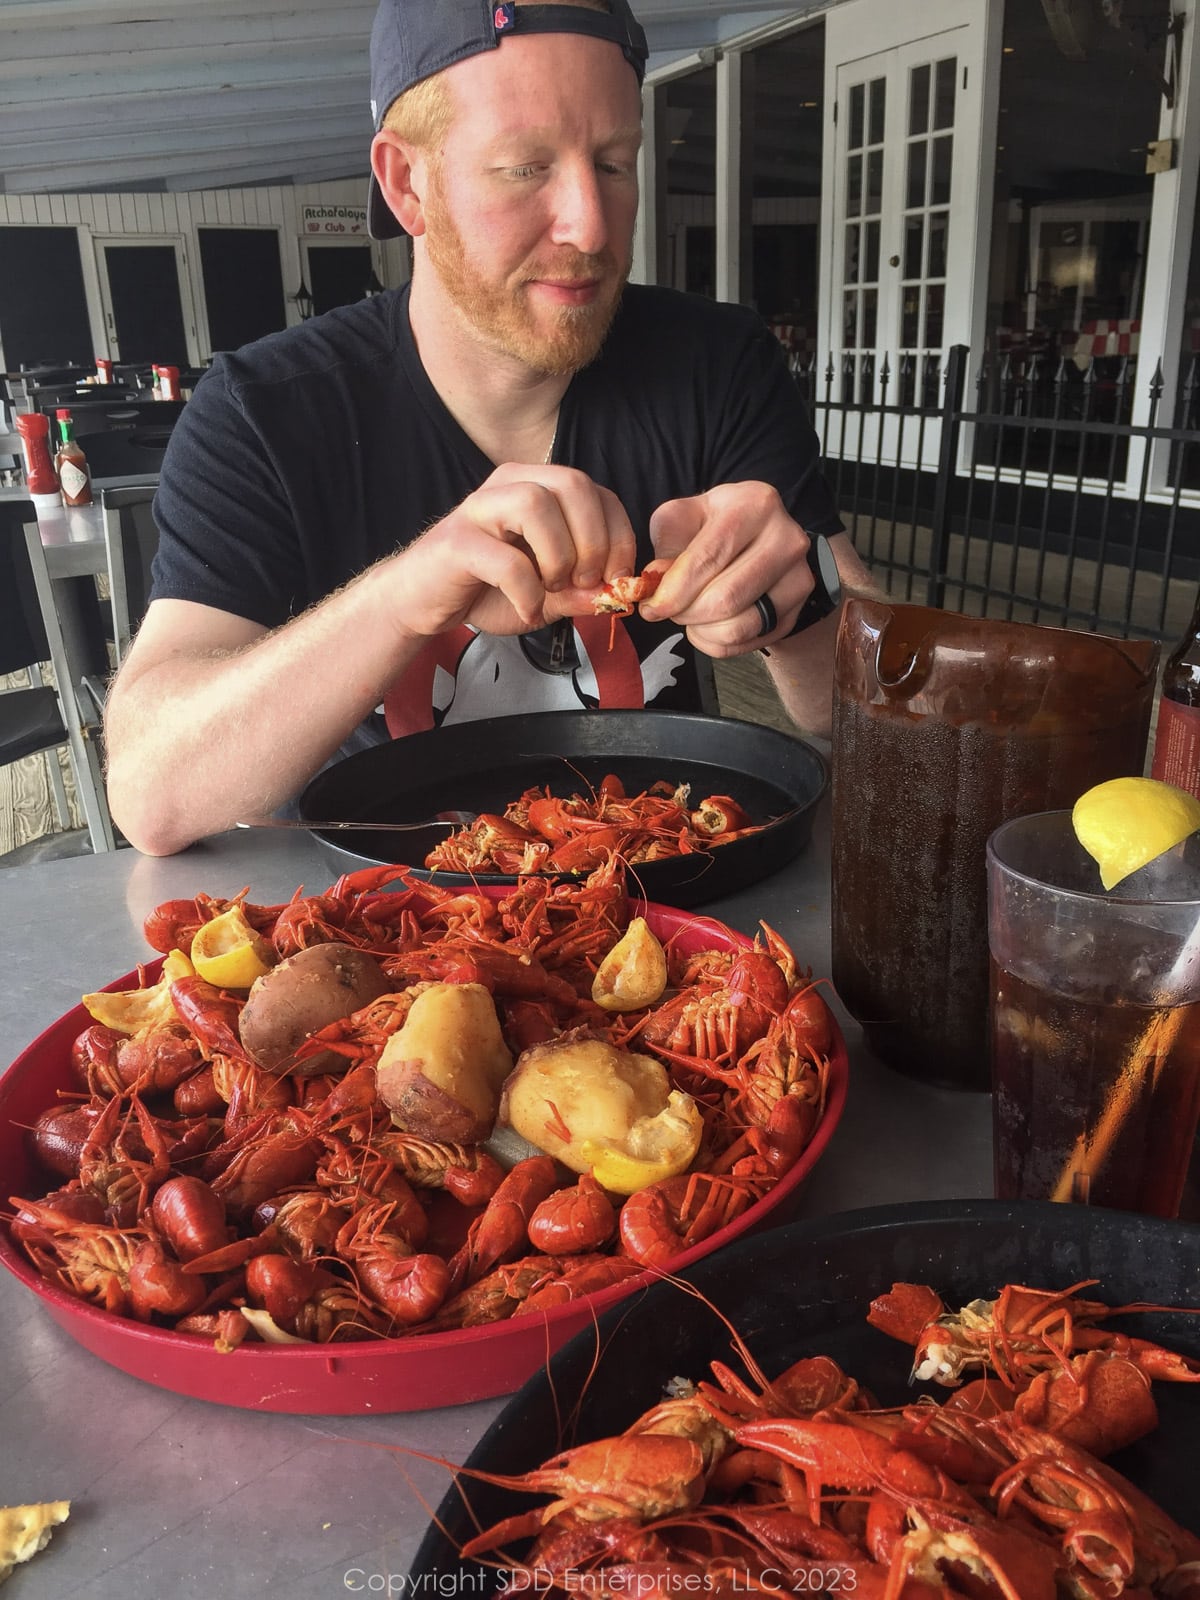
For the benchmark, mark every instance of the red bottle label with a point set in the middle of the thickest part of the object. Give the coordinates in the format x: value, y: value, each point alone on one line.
x: 1177, y: 746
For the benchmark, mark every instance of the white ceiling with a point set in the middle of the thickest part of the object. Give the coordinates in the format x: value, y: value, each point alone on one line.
x: 200, y: 94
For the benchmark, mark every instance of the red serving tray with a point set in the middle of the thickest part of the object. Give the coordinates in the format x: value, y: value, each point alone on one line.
x: 388, y: 1375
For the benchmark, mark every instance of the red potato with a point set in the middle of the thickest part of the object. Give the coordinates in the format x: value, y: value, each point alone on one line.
x: 306, y: 992
x: 440, y: 1075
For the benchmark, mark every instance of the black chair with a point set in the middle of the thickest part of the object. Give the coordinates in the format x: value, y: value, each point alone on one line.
x: 127, y: 452
x: 131, y: 538
x: 30, y: 718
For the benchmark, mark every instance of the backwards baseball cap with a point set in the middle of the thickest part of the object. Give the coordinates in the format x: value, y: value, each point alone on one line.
x: 413, y: 39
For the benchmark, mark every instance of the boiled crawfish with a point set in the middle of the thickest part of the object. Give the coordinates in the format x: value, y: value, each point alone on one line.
x: 791, y: 1484
x: 193, y: 1188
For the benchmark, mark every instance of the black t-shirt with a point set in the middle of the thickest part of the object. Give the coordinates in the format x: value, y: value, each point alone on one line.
x: 307, y: 456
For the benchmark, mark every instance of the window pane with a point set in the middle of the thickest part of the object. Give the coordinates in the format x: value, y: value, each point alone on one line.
x: 853, y: 264
x: 932, y: 381
x: 939, y: 189
x: 915, y: 190
x: 935, y: 299
x: 870, y: 299
x: 875, y: 116
x: 871, y: 266
x: 854, y: 138
x: 850, y: 319
x: 914, y: 240
x: 910, y: 317
x: 854, y: 186
x: 918, y: 100
x: 939, y: 227
x: 874, y: 181
x: 943, y: 104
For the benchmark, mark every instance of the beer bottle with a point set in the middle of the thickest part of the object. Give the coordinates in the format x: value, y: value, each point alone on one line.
x: 1176, y: 757
x: 71, y: 465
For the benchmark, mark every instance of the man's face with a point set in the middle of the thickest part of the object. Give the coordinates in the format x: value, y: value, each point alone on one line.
x: 530, y: 205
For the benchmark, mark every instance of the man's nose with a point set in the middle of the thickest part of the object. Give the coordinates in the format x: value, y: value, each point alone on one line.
x: 579, y: 215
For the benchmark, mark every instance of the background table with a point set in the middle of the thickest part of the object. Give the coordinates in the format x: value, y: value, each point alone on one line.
x: 67, y: 550
x: 176, y: 1497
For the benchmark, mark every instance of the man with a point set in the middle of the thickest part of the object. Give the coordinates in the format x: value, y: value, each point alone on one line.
x: 403, y: 503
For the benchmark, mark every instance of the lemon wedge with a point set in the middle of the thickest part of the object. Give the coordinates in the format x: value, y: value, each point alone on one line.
x: 661, y: 1146
x: 1127, y: 822
x: 229, y: 953
x: 130, y: 1010
x: 633, y: 973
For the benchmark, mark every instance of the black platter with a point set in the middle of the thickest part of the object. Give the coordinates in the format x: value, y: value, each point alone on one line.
x: 482, y: 766
x: 804, y: 1289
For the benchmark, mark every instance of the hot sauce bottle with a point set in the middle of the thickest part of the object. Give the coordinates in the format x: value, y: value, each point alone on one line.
x: 40, y: 476
x: 1176, y: 757
x: 71, y: 465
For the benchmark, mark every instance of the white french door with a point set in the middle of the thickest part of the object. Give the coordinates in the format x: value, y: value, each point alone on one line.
x: 901, y: 211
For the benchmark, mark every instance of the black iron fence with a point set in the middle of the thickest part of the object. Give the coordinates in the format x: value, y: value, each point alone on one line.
x: 1038, y: 497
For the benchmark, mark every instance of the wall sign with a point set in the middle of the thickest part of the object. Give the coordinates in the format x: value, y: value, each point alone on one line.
x: 341, y: 220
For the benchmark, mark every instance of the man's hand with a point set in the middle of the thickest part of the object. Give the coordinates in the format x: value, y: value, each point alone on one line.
x: 515, y: 554
x: 727, y: 547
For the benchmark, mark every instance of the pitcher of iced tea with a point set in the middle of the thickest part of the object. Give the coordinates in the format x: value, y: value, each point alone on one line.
x: 944, y: 727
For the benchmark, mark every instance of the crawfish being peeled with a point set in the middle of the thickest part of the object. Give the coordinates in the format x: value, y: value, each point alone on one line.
x: 574, y: 833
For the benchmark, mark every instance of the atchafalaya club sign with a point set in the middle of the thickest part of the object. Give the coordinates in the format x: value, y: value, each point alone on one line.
x: 342, y: 220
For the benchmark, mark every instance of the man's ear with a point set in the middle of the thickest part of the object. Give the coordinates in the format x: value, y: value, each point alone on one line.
x: 399, y: 172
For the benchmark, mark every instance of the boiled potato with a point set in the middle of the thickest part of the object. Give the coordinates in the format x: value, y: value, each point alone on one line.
x: 570, y: 1092
x: 306, y: 992
x: 440, y: 1074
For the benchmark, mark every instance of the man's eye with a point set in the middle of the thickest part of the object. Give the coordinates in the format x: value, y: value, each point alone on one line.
x: 524, y: 172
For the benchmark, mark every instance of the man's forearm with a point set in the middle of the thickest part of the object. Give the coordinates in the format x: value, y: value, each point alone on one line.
x: 802, y: 667
x: 802, y: 671
x: 197, y: 741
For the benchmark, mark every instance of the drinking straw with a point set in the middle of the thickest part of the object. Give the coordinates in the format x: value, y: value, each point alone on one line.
x: 1154, y: 1046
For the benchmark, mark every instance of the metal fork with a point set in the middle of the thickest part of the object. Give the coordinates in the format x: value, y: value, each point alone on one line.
x: 441, y: 819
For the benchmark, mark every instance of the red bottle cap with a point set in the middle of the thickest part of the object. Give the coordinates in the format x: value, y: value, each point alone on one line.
x: 63, y: 413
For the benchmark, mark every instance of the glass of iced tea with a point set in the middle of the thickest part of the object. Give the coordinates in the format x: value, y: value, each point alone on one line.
x: 1094, y: 1022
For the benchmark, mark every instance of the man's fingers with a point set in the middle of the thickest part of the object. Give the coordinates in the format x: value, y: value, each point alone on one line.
x: 740, y: 564
x: 577, y: 530
x: 451, y: 569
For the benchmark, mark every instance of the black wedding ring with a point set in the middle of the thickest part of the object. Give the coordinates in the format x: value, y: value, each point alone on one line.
x: 767, y: 614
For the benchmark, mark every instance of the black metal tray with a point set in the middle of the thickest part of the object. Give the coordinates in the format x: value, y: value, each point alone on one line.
x: 804, y: 1290
x: 482, y: 766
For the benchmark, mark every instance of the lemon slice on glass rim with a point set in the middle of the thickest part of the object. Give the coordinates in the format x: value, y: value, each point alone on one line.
x: 1126, y: 823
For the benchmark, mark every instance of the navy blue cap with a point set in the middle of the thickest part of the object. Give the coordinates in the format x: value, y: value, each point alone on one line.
x: 413, y: 39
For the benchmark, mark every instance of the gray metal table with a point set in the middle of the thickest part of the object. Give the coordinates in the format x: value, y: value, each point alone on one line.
x: 67, y: 550
x: 176, y: 1497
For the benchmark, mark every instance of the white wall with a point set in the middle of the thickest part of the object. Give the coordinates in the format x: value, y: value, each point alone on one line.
x: 179, y: 216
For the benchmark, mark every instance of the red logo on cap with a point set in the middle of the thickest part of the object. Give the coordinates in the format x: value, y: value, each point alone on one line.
x: 502, y: 18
